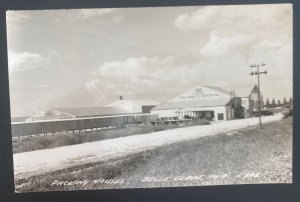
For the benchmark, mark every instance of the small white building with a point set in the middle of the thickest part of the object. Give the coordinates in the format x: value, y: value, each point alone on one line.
x: 200, y: 102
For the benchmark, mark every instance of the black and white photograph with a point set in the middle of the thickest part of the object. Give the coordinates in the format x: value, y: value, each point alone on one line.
x: 151, y: 97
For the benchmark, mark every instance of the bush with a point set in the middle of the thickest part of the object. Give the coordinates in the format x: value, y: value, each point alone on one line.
x: 201, y: 122
x: 45, y: 141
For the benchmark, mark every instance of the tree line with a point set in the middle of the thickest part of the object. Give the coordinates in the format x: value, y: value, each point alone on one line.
x: 278, y: 103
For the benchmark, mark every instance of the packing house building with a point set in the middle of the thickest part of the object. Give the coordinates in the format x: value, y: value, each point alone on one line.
x: 200, y: 102
x: 119, y: 107
x: 213, y: 103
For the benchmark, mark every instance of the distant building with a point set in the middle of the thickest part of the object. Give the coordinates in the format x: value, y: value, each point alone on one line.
x: 211, y: 102
x: 249, y: 98
x: 134, y: 106
x: 80, y: 112
x: 119, y: 107
x: 200, y: 102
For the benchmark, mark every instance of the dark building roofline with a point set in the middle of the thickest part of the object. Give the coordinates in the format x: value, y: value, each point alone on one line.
x: 92, y: 111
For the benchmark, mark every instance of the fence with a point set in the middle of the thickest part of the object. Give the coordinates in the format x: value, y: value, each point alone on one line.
x: 54, y: 126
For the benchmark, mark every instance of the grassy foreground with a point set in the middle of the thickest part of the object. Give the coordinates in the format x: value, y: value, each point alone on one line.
x: 249, y: 156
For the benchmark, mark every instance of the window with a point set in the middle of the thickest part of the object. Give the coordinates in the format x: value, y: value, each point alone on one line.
x: 220, y: 116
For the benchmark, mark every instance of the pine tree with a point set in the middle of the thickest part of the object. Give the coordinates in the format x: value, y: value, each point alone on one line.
x: 279, y: 103
x: 273, y: 105
x: 284, y: 103
x: 268, y: 105
x: 290, y: 101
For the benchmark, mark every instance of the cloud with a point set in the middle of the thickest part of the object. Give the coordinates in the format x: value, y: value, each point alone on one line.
x: 24, y: 61
x: 241, y: 35
x: 105, y: 16
x: 161, y: 77
x: 28, y: 61
x: 279, y: 59
x: 142, y: 77
x: 228, y: 59
x: 233, y: 16
x: 90, y: 13
x: 259, y: 21
x: 220, y: 46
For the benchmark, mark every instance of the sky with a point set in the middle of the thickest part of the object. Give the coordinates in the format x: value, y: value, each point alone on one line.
x: 90, y: 57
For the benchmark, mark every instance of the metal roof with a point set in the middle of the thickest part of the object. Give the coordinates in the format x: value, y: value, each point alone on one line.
x: 218, y: 89
x: 202, y: 92
x: 120, y: 103
x: 191, y: 109
x: 92, y: 111
x: 192, y: 104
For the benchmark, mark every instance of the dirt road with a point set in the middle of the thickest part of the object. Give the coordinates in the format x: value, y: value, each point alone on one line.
x: 43, y: 161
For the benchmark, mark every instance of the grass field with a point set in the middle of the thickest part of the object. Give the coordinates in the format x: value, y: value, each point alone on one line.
x: 248, y: 156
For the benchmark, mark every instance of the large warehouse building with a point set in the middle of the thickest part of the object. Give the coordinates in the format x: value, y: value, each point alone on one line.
x: 208, y: 102
x: 119, y: 107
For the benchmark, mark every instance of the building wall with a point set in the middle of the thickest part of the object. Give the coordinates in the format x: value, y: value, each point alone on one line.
x: 147, y: 109
x: 225, y: 110
x: 237, y: 105
x: 245, y: 102
x: 132, y: 108
x: 168, y: 113
x: 254, y: 99
x: 220, y: 110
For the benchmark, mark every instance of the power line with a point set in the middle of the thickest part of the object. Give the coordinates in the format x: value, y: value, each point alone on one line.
x: 257, y: 73
x: 95, y: 37
x: 60, y: 15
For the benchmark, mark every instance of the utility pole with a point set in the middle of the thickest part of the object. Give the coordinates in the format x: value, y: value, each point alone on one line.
x: 257, y: 73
